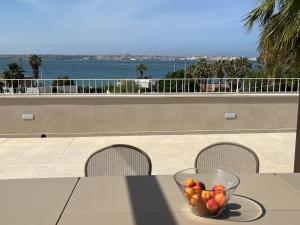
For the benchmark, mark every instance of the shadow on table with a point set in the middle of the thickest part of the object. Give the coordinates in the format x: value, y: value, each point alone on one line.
x: 153, y: 201
x: 242, y: 209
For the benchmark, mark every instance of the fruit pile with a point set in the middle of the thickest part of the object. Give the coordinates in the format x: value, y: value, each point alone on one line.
x: 204, y: 202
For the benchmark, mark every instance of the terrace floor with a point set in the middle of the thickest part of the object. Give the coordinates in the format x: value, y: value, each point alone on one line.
x: 65, y: 157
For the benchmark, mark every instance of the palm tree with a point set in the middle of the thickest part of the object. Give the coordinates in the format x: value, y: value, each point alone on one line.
x: 202, y: 69
x: 279, y: 44
x: 243, y: 67
x: 13, y: 71
x: 35, y: 62
x: 141, y: 68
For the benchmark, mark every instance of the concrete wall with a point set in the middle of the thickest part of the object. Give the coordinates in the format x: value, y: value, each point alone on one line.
x: 112, y: 115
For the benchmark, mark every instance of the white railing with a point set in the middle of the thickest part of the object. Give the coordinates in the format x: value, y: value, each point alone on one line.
x: 149, y: 86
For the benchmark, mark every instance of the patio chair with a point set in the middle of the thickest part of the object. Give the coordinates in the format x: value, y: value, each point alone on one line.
x: 118, y: 160
x: 232, y: 157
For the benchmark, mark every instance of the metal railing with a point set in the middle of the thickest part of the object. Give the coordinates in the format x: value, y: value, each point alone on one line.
x: 149, y: 86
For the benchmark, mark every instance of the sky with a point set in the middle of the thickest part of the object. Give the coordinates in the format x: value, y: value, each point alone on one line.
x: 162, y: 27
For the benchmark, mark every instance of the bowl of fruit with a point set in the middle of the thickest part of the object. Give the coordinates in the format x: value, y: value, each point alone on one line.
x: 206, y: 191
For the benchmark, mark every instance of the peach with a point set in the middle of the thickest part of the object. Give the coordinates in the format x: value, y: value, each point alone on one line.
x: 197, y: 189
x: 189, y: 182
x: 196, y: 198
x: 212, y: 205
x: 220, y: 199
x: 218, y: 189
x: 189, y: 191
x: 206, y: 195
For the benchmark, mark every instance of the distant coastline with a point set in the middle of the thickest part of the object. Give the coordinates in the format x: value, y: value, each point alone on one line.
x: 119, y: 57
x: 106, y: 66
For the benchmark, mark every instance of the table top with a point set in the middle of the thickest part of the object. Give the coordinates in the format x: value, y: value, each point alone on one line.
x: 262, y: 198
x: 34, y: 201
x: 292, y: 179
x: 142, y: 200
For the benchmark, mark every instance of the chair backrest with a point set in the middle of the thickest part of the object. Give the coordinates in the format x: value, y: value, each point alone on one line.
x: 227, y: 156
x: 118, y: 160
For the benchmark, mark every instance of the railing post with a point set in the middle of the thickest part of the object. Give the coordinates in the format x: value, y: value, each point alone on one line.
x: 25, y: 87
x: 51, y: 91
x: 201, y: 85
x: 297, y: 148
x: 139, y: 89
x: 13, y: 89
x: 132, y: 87
x: 249, y: 85
x: 279, y: 88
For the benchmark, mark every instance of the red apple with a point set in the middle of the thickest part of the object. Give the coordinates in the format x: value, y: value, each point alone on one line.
x: 212, y: 205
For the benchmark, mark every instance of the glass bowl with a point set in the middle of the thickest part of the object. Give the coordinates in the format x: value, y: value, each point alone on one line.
x: 206, y: 191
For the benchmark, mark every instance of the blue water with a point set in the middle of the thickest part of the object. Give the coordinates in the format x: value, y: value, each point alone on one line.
x: 98, y: 69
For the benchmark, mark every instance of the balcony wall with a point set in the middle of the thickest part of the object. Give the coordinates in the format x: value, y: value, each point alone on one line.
x: 126, y: 115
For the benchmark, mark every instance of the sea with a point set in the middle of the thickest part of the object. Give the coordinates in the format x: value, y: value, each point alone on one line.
x: 92, y: 69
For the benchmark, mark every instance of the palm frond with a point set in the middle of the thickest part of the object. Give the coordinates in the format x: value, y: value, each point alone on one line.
x: 279, y: 44
x: 260, y: 14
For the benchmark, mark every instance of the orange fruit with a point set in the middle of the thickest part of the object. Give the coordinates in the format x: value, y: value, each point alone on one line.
x: 189, y: 182
x: 220, y: 199
x: 189, y: 191
x: 206, y: 195
x: 196, y: 198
